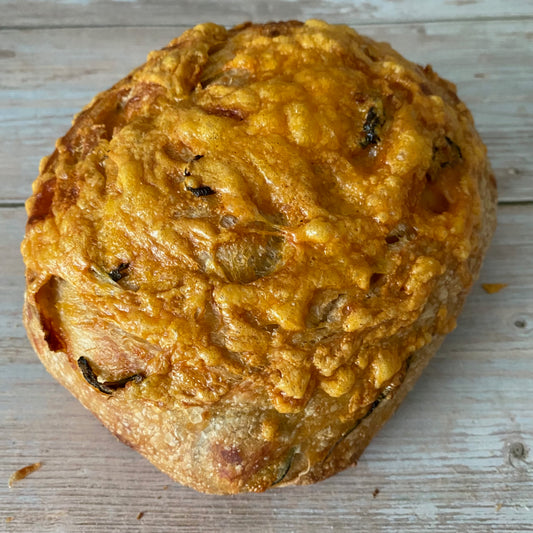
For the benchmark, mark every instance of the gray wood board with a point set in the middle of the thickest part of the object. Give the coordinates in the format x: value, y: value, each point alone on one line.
x: 52, y: 13
x: 448, y: 461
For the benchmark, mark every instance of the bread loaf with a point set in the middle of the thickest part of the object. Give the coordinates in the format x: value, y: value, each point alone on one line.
x: 243, y: 254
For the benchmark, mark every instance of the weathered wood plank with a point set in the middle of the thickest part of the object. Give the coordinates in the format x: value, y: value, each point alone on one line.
x: 446, y: 462
x: 48, y: 75
x: 168, y: 13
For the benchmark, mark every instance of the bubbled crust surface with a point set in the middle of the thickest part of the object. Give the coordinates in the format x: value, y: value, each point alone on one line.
x: 275, y: 225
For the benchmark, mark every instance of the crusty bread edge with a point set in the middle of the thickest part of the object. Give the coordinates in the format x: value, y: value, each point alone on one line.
x: 348, y: 451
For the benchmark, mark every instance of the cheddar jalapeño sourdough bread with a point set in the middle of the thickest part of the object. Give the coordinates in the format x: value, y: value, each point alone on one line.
x: 243, y: 254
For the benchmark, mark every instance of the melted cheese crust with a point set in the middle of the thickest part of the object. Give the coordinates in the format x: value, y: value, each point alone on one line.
x: 266, y: 208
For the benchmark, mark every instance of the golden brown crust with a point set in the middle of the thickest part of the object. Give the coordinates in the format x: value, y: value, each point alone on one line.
x: 257, y: 240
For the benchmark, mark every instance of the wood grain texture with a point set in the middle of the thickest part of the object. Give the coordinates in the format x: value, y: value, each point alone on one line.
x: 54, y: 13
x: 446, y: 462
x: 50, y: 74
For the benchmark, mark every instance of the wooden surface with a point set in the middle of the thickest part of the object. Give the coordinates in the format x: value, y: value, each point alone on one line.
x: 457, y: 457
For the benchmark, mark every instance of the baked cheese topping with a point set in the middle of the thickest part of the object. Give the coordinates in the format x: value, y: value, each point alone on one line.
x: 267, y: 207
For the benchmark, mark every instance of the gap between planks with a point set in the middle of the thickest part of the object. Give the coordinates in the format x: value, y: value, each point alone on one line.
x: 354, y: 23
x: 10, y: 204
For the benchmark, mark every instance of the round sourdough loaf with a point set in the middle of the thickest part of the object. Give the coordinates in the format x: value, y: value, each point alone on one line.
x: 242, y: 255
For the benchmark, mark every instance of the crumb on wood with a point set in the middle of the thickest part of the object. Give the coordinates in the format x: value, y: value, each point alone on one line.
x: 375, y: 493
x: 22, y: 473
x: 9, y: 519
x: 165, y: 487
x: 493, y: 288
x: 140, y: 515
x: 498, y: 506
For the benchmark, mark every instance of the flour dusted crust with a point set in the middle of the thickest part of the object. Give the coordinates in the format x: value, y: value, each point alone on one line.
x: 255, y: 242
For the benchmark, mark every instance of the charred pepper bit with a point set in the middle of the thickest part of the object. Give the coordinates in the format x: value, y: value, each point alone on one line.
x: 445, y: 154
x: 90, y: 376
x: 117, y: 273
x: 455, y: 146
x: 287, y: 467
x: 108, y: 386
x: 372, y: 122
x: 196, y: 157
x: 203, y: 190
x: 120, y: 383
